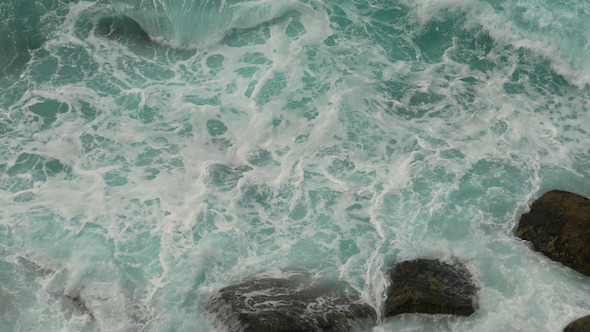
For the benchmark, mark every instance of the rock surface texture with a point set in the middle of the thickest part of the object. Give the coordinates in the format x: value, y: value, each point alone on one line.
x: 579, y: 325
x: 292, y: 304
x: 432, y: 287
x: 558, y: 225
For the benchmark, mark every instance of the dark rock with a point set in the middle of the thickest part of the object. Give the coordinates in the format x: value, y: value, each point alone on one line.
x: 75, y: 305
x: 558, y: 225
x: 430, y: 286
x: 579, y: 325
x: 292, y: 304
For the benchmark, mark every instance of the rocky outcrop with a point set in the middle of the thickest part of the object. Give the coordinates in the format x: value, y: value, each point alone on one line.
x: 558, y: 225
x: 290, y: 304
x: 579, y: 325
x: 432, y: 287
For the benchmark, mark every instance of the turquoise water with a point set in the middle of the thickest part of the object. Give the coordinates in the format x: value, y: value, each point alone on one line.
x: 244, y: 138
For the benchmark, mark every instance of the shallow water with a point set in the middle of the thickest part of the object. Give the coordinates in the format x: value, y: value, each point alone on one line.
x: 140, y: 175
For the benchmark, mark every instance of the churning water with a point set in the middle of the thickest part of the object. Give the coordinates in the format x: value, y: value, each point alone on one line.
x: 152, y: 152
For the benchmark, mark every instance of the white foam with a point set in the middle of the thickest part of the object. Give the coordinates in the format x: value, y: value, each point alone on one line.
x: 329, y: 173
x: 547, y: 30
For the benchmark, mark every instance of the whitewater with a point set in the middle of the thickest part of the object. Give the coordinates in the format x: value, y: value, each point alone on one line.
x: 154, y: 152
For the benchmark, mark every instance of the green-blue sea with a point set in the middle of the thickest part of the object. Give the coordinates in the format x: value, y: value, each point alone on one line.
x: 155, y: 151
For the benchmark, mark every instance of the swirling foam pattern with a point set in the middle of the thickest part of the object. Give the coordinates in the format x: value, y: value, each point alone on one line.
x: 152, y: 152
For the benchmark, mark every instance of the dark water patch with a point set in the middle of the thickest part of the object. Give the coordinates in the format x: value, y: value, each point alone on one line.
x: 215, y: 61
x: 216, y: 127
x: 224, y: 177
x: 435, y: 38
x: 20, y: 33
x: 48, y: 111
x: 121, y: 28
x: 38, y: 166
x: 260, y: 157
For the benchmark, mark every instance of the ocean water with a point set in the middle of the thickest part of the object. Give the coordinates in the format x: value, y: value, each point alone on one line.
x: 152, y: 152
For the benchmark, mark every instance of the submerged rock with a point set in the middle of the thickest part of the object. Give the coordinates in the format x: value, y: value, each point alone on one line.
x: 558, y: 225
x: 430, y: 286
x: 292, y: 304
x: 75, y: 305
x: 579, y: 325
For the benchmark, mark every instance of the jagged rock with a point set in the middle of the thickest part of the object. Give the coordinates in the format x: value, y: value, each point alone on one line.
x: 558, y: 225
x: 579, y: 325
x: 291, y: 304
x: 430, y: 286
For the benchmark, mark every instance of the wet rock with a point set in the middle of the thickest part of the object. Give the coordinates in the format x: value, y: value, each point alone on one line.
x: 558, y: 225
x: 432, y: 287
x: 579, y: 325
x: 75, y: 305
x: 290, y: 304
